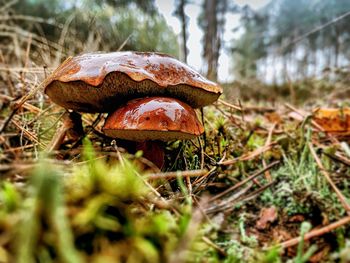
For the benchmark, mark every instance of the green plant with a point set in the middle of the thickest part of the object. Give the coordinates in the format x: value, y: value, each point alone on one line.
x: 302, y: 257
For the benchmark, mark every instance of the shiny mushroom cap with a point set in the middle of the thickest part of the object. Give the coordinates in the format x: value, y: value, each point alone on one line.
x: 100, y: 82
x: 154, y: 118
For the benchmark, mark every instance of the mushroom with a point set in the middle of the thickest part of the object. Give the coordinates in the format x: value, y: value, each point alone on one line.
x: 153, y: 119
x: 100, y: 82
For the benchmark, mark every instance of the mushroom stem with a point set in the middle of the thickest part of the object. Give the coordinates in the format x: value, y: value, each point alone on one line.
x: 153, y: 151
x: 71, y: 129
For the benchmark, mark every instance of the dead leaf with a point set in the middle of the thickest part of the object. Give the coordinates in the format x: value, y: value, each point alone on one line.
x: 280, y: 235
x: 333, y: 120
x: 296, y: 218
x: 321, y: 254
x: 266, y: 217
x: 273, y: 117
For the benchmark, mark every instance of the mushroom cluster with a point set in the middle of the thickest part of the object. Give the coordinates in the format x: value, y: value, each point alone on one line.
x: 149, y: 96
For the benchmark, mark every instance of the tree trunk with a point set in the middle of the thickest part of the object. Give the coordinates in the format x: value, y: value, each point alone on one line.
x: 220, y: 17
x: 336, y: 47
x: 214, y: 28
x: 183, y: 19
x: 210, y: 38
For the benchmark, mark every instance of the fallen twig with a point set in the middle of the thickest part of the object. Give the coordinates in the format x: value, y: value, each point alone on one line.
x: 341, y: 198
x: 28, y: 134
x: 316, y: 232
x: 258, y: 191
x: 339, y: 158
x: 313, y: 123
x: 171, y: 175
x: 234, y: 187
x: 268, y: 142
x: 250, y: 155
x: 26, y: 105
x: 229, y: 105
x: 216, y: 247
x: 229, y: 202
x: 229, y: 206
x: 23, y: 100
x: 246, y: 108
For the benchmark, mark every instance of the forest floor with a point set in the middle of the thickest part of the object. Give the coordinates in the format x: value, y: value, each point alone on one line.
x: 264, y: 184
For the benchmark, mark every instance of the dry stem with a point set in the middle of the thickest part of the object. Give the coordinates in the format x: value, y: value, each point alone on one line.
x: 317, y: 232
x: 341, y: 198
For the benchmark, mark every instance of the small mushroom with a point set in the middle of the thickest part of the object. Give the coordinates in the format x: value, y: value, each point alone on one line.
x: 100, y: 82
x: 151, y: 120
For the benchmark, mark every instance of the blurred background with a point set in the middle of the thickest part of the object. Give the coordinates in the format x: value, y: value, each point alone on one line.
x: 255, y: 48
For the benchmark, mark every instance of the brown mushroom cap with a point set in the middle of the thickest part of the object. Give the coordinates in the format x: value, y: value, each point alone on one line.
x: 155, y: 118
x: 99, y: 82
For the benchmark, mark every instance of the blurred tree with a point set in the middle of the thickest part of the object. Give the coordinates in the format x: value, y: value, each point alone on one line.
x: 299, y: 34
x: 251, y: 46
x: 147, y: 6
x: 180, y: 13
x: 89, y: 25
x: 211, y: 38
x: 212, y: 21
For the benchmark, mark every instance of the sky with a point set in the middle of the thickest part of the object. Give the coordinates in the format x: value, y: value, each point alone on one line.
x: 194, y: 42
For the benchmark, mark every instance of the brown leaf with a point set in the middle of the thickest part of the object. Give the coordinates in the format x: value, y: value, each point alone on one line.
x: 333, y: 120
x: 266, y: 217
x: 280, y: 235
x: 321, y: 254
x: 273, y: 117
x: 296, y: 218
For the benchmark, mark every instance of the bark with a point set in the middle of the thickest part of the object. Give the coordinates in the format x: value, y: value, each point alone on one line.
x: 181, y: 15
x: 210, y: 38
x: 336, y: 47
x: 183, y: 19
x: 214, y: 28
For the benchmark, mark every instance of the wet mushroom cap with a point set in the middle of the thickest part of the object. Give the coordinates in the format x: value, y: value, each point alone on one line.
x: 154, y: 118
x: 99, y: 82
